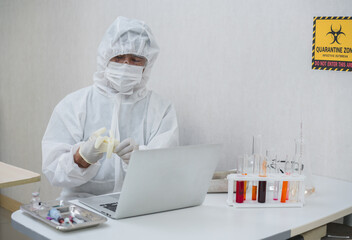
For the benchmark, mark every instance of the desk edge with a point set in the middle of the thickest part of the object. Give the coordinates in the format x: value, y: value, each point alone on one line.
x: 320, y: 222
x: 21, y: 182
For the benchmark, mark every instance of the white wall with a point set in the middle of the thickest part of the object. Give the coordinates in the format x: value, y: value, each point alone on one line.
x: 232, y: 68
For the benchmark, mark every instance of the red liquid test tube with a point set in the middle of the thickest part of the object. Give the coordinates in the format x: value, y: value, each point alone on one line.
x: 239, y: 191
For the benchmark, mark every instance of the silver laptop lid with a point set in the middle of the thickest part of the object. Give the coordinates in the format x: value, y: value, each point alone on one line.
x: 166, y: 179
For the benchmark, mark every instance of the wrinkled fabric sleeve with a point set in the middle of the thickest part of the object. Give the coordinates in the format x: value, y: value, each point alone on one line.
x: 165, y: 131
x: 61, y: 140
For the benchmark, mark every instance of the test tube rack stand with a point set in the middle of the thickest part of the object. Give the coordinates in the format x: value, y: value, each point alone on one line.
x: 269, y: 203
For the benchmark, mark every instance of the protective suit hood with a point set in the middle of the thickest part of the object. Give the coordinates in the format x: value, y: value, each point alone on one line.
x: 125, y: 36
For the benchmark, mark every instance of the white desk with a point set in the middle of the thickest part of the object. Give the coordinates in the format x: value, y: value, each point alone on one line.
x: 213, y: 220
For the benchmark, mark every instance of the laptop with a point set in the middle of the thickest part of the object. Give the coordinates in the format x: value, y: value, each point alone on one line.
x: 160, y: 180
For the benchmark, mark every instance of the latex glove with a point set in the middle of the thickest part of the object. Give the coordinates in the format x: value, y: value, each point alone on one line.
x: 125, y: 149
x: 106, y: 144
x: 88, y: 151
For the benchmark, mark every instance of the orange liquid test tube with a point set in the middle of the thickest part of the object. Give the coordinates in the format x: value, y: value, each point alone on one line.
x: 245, y: 188
x: 284, y: 191
x: 254, y: 193
x: 285, y: 188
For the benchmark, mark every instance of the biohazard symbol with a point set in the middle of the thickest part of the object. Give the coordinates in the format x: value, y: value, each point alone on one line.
x: 336, y: 35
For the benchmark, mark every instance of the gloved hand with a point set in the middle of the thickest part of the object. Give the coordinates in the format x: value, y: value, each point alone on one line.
x: 125, y: 149
x: 106, y: 144
x: 88, y: 151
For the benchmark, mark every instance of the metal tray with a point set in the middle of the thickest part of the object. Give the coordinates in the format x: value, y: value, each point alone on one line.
x: 66, y: 209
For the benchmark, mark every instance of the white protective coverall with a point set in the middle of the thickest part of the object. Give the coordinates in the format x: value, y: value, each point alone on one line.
x: 142, y: 115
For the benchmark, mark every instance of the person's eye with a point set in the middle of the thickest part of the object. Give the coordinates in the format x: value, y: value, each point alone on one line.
x: 136, y: 60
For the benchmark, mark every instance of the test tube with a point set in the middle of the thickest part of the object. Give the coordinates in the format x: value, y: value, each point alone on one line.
x: 254, y: 190
x: 262, y: 184
x: 284, y: 184
x: 288, y: 172
x: 284, y: 191
x: 271, y: 167
x: 240, y: 184
x: 244, y: 172
x: 294, y: 185
x: 298, y: 154
x: 239, y: 191
x: 276, y: 183
x: 256, y: 152
x: 255, y: 171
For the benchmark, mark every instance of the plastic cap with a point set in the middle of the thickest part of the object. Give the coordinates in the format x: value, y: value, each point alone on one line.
x: 35, y: 194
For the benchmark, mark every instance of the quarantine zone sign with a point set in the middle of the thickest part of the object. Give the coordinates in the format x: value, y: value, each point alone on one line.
x: 332, y: 43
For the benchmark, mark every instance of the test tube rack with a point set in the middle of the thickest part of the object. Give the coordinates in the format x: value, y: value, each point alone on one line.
x: 269, y: 203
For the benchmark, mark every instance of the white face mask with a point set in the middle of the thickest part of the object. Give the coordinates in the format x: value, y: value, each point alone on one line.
x: 123, y: 77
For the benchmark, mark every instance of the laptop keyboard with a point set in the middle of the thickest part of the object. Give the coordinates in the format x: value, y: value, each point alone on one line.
x: 111, y: 206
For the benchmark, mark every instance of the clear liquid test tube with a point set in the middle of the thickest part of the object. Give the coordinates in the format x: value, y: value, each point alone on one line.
x: 276, y: 183
x: 294, y: 185
x: 288, y: 170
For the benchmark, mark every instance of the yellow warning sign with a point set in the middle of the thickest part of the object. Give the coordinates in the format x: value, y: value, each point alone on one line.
x: 332, y: 43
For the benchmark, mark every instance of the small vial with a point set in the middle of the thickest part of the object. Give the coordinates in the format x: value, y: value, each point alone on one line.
x: 35, y: 201
x: 77, y: 220
x: 67, y: 221
x: 56, y: 215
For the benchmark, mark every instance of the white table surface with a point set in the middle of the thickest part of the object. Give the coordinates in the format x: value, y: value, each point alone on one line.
x: 13, y: 176
x: 213, y: 220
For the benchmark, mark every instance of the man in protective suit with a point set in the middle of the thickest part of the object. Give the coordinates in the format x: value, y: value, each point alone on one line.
x: 118, y: 100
